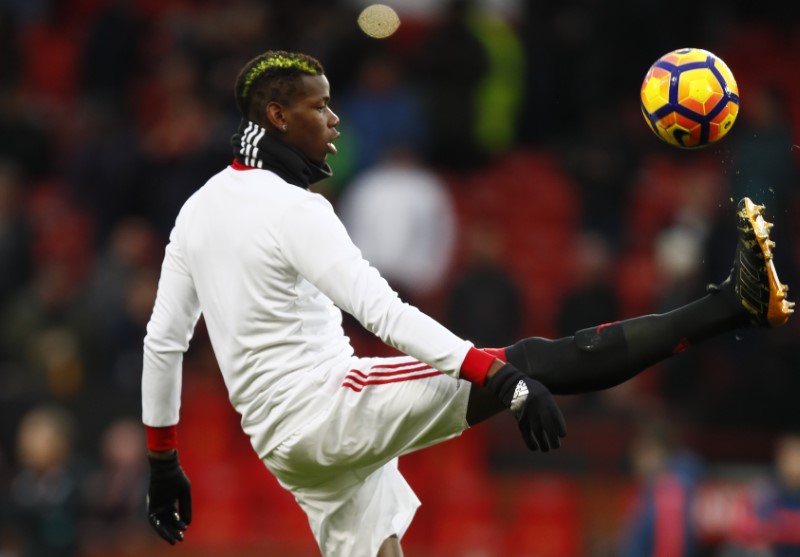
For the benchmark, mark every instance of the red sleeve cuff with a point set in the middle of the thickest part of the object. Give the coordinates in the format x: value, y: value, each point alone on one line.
x: 499, y: 353
x: 162, y: 438
x: 476, y: 365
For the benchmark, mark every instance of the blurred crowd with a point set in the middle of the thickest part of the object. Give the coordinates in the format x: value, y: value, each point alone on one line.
x: 493, y: 164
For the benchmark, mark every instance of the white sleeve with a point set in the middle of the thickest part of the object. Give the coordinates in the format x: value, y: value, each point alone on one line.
x: 169, y: 331
x: 316, y: 243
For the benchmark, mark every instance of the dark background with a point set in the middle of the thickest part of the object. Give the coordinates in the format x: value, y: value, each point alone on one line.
x: 568, y: 212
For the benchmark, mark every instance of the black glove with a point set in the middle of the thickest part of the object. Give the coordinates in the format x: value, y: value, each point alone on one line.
x: 168, y: 486
x: 539, y: 419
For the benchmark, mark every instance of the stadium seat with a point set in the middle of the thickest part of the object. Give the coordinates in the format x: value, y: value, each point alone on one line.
x: 544, y: 517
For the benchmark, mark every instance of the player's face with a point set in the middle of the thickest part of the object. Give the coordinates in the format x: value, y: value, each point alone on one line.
x: 310, y: 123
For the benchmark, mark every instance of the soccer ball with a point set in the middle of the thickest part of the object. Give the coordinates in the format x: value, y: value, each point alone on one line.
x: 689, y: 98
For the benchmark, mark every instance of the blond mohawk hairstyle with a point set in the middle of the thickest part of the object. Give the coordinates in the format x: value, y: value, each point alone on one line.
x: 271, y: 76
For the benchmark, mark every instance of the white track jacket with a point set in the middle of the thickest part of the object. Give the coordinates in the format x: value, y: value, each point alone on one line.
x: 267, y: 263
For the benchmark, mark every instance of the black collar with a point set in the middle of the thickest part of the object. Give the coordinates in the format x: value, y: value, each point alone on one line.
x: 253, y: 146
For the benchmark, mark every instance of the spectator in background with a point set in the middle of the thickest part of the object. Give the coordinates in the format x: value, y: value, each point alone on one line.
x: 660, y: 523
x: 123, y: 280
x: 401, y: 216
x: 114, y: 524
x: 381, y: 112
x: 681, y: 247
x: 592, y: 299
x: 761, y: 150
x: 485, y: 303
x: 129, y: 327
x: 499, y: 95
x: 111, y: 55
x: 45, y: 337
x: 104, y: 167
x: 602, y: 159
x: 133, y: 245
x: 180, y: 131
x: 45, y: 494
x: 453, y: 63
x: 778, y: 503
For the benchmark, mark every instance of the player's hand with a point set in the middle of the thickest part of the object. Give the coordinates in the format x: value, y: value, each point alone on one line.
x: 169, y: 498
x: 539, y: 418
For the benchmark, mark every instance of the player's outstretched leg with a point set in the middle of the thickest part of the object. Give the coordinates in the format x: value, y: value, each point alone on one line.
x: 607, y: 355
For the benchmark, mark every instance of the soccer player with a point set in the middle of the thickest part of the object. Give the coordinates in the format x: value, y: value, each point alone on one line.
x: 270, y: 266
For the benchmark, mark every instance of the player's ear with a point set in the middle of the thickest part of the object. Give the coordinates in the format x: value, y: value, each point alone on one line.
x: 275, y: 114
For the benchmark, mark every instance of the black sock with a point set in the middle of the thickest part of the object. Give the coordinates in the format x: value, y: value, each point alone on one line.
x: 607, y: 355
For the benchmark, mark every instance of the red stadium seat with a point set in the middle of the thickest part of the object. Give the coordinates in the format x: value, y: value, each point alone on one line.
x: 544, y: 513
